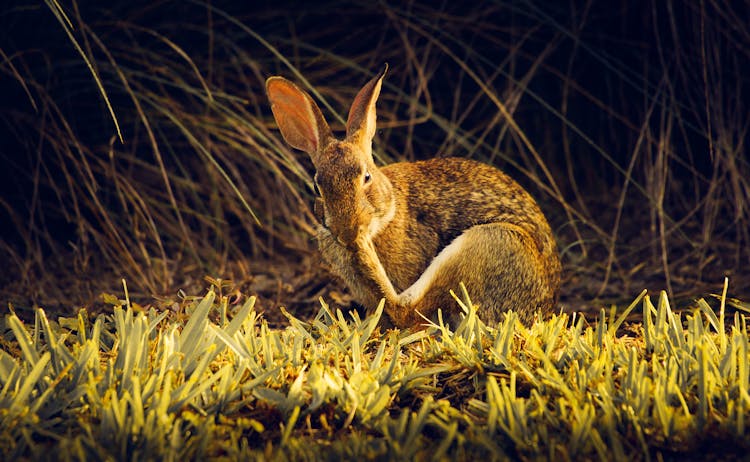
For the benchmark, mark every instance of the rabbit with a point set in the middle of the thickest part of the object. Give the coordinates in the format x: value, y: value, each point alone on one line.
x: 409, y: 232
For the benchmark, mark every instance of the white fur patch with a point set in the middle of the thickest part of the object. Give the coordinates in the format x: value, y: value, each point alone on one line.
x: 378, y: 224
x: 419, y: 289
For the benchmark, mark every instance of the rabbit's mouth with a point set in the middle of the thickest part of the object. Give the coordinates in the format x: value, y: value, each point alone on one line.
x: 345, y: 244
x: 336, y: 230
x: 344, y: 234
x: 346, y: 238
x: 326, y: 235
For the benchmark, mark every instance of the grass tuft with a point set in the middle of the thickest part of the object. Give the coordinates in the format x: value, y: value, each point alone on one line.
x: 137, y: 384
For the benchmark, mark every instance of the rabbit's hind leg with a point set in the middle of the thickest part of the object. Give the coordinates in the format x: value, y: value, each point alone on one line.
x: 501, y: 267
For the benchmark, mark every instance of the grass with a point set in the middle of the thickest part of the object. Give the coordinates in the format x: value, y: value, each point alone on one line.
x: 210, y: 379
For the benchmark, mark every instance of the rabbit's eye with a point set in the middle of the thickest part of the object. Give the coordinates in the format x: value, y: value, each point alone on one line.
x: 368, y: 177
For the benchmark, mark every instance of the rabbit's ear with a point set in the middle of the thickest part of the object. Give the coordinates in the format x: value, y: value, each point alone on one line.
x: 360, y: 125
x: 301, y: 123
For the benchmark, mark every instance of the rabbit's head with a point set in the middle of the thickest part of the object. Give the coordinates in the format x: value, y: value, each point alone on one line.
x: 354, y: 196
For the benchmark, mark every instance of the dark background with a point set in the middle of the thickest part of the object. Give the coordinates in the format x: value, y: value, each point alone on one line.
x: 629, y: 124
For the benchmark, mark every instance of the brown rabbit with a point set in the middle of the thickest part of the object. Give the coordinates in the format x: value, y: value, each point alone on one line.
x: 411, y: 231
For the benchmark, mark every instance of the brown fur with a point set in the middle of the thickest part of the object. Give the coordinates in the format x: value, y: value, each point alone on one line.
x: 381, y: 235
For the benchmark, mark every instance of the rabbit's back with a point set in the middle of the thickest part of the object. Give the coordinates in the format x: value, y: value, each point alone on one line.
x: 438, y: 199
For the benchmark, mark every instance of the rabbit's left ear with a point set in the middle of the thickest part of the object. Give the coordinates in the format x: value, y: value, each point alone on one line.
x: 360, y: 125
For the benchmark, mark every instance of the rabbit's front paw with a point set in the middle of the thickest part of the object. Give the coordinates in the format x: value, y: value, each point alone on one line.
x: 400, y: 316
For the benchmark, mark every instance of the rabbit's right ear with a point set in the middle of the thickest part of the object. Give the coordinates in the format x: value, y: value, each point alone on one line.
x: 360, y: 125
x: 301, y: 123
